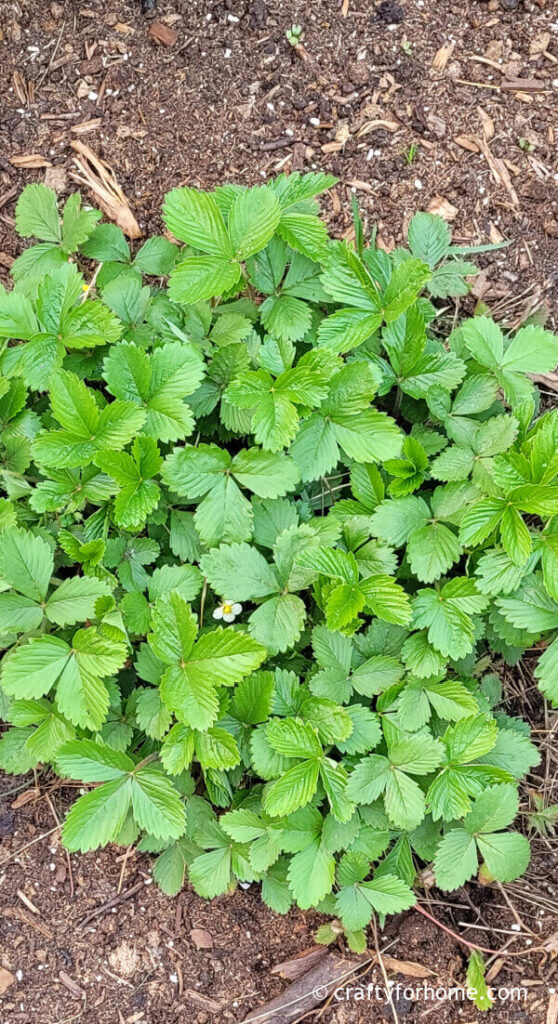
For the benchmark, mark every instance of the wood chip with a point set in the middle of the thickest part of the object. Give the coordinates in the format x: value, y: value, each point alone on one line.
x: 72, y: 986
x: 20, y: 87
x: 211, y: 1005
x: 442, y: 56
x: 27, y: 918
x: 370, y: 126
x: 162, y: 34
x: 25, y: 899
x: 467, y: 142
x: 87, y: 126
x: 494, y: 234
x: 101, y: 181
x: 487, y: 124
x: 443, y: 208
x: 309, y: 990
x: 345, y: 8
x: 549, y: 380
x: 525, y: 85
x: 201, y: 938
x: 29, y: 794
x: 6, y: 979
x: 498, y: 170
x: 31, y: 161
x: 361, y: 186
x: 301, y: 963
x: 552, y: 1012
x: 409, y: 968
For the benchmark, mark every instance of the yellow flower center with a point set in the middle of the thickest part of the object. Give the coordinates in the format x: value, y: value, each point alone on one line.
x: 227, y: 609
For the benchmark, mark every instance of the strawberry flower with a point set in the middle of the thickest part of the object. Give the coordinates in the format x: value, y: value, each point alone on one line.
x: 227, y: 611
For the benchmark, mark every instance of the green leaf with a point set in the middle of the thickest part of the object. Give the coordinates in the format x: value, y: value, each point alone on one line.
x: 202, y: 277
x: 194, y: 217
x: 97, y: 817
x: 428, y: 237
x: 36, y: 214
x: 74, y: 600
x: 87, y: 761
x: 311, y: 874
x: 432, y: 550
x: 294, y: 789
x: 456, y: 859
x: 156, y: 804
x: 278, y: 623
x: 253, y: 218
x: 26, y: 563
x: 476, y: 982
x: 493, y: 809
x: 505, y: 854
x: 239, y: 572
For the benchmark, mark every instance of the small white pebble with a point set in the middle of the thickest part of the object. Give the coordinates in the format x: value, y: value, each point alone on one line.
x: 515, y: 927
x: 528, y: 942
x: 418, y: 183
x: 233, y: 18
x: 315, y: 122
x: 227, y: 54
x: 93, y: 95
x: 52, y: 867
x: 173, y: 978
x: 289, y: 132
x: 19, y: 975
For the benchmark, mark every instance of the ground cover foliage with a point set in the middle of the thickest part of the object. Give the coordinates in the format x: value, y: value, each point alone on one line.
x: 267, y: 528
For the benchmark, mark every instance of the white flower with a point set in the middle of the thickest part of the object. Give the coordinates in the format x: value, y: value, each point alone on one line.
x: 227, y: 611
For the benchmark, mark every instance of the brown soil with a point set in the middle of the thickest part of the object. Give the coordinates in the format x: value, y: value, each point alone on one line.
x: 222, y: 95
x: 152, y: 960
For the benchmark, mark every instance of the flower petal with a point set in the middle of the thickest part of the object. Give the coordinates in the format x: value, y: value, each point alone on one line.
x: 218, y: 613
x: 236, y: 608
x: 228, y: 617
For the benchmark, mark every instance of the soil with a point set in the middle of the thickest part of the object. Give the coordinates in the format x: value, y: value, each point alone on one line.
x: 414, y: 104
x: 78, y: 947
x: 404, y: 102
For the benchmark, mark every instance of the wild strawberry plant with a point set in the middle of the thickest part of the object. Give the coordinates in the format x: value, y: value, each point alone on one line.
x: 267, y: 525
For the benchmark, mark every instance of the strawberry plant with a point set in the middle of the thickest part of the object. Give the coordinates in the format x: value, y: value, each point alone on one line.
x: 267, y: 524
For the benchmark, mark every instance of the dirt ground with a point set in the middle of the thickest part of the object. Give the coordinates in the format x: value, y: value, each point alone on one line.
x: 441, y: 104
x: 413, y: 104
x: 78, y: 947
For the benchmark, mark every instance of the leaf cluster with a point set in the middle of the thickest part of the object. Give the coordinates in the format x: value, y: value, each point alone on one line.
x: 246, y: 414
